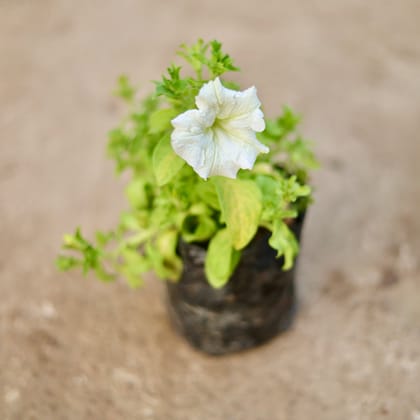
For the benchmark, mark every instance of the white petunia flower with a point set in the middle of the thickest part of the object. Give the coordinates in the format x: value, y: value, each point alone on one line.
x: 219, y: 137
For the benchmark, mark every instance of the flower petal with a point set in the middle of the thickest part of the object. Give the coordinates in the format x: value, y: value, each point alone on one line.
x: 231, y: 154
x: 231, y: 104
x: 237, y: 104
x: 192, y: 140
x: 207, y: 98
x: 219, y: 138
x: 253, y: 121
x: 247, y: 136
x: 193, y: 120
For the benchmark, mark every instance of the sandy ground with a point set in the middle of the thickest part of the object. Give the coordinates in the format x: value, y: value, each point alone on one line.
x: 73, y: 348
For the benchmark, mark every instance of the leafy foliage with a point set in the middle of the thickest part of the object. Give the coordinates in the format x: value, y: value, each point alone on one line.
x: 221, y: 259
x: 167, y: 200
x: 289, y: 150
x: 240, y: 202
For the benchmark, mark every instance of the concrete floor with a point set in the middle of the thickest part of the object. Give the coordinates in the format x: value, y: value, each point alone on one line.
x: 73, y: 348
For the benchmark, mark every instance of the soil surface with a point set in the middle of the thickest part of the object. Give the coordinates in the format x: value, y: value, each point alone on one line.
x: 74, y: 348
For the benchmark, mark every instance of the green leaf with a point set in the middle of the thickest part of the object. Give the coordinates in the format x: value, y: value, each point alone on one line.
x: 207, y: 193
x: 198, y: 224
x: 163, y: 257
x: 288, y: 121
x: 138, y: 193
x: 271, y: 198
x: 221, y: 259
x: 90, y: 257
x: 240, y: 201
x: 124, y: 89
x: 219, y: 62
x: 172, y: 85
x: 65, y: 263
x: 166, y: 164
x: 135, y: 265
x: 195, y: 55
x: 284, y: 242
x: 160, y: 120
x: 102, y: 238
x: 76, y: 241
x: 197, y: 227
x: 292, y: 189
x: 167, y: 242
x: 300, y: 154
x: 128, y: 221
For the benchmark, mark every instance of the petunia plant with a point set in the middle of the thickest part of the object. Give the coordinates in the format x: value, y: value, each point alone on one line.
x: 206, y: 167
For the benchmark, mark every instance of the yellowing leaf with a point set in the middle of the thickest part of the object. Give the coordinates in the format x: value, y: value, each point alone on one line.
x: 221, y: 259
x: 160, y: 120
x: 166, y: 164
x: 284, y: 242
x: 240, y: 201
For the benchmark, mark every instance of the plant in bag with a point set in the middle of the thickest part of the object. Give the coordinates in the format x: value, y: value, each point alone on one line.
x: 208, y: 173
